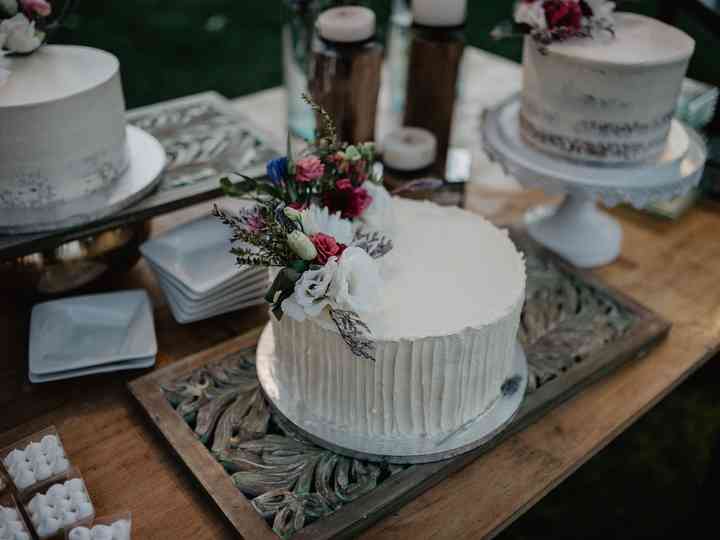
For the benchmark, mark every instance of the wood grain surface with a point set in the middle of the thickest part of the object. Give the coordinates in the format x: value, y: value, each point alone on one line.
x: 672, y: 267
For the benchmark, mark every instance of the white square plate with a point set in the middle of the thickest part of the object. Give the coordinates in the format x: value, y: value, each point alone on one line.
x: 199, y: 308
x: 87, y: 331
x: 197, y: 254
x: 250, y: 280
x: 139, y: 363
x: 184, y: 317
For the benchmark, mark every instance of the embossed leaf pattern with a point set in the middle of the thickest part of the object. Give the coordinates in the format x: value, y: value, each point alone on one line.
x: 564, y: 320
x: 202, y: 140
x: 291, y: 481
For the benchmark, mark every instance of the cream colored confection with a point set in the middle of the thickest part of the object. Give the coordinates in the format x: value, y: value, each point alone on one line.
x: 607, y: 99
x: 445, y: 335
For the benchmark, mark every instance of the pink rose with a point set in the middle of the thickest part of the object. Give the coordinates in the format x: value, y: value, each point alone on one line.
x: 326, y: 247
x: 298, y: 206
x: 347, y: 199
x: 309, y: 169
x: 563, y: 14
x: 39, y: 7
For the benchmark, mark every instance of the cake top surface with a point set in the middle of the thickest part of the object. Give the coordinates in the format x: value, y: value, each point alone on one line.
x: 449, y: 270
x: 55, y: 72
x: 639, y: 40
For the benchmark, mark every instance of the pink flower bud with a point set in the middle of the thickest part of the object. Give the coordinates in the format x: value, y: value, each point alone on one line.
x: 39, y: 7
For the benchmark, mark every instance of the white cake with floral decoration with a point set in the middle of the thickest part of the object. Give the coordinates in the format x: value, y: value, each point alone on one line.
x: 444, y: 323
x: 599, y: 86
x: 391, y: 317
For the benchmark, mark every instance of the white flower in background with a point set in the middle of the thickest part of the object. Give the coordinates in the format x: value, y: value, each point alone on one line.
x: 357, y: 284
x: 532, y: 14
x: 602, y: 10
x: 380, y: 215
x: 20, y: 34
x: 311, y: 292
x: 319, y: 220
x: 10, y: 7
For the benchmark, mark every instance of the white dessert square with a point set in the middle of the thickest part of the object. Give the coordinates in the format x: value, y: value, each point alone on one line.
x: 37, y: 462
x: 60, y: 507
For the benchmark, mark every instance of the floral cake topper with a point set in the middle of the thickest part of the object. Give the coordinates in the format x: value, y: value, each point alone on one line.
x: 320, y: 220
x: 549, y: 21
x: 23, y: 25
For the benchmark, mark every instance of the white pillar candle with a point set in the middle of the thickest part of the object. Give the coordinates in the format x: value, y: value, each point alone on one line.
x: 409, y: 149
x: 348, y: 24
x: 439, y: 12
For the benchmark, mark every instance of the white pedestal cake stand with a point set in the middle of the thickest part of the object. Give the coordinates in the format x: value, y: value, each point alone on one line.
x: 577, y: 229
x: 392, y: 448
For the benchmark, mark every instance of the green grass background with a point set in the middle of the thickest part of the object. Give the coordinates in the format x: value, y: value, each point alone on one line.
x: 646, y: 484
x: 171, y: 48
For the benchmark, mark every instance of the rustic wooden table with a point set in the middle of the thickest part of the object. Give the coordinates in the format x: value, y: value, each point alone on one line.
x: 670, y: 267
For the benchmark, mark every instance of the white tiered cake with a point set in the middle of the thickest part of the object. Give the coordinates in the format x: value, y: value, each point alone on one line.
x: 445, y: 336
x: 609, y: 99
x: 62, y: 134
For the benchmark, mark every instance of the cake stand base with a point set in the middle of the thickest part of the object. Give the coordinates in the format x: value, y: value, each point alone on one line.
x: 577, y: 230
x: 393, y: 448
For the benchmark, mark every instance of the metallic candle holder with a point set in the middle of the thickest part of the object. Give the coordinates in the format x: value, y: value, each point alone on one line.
x: 74, y: 264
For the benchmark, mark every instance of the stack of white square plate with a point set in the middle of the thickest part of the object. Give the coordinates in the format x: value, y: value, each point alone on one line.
x: 92, y: 334
x: 197, y: 273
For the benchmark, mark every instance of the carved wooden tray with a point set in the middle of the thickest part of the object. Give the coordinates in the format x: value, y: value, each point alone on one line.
x: 271, y: 483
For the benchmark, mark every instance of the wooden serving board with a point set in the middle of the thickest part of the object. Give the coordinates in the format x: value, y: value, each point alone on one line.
x: 270, y: 483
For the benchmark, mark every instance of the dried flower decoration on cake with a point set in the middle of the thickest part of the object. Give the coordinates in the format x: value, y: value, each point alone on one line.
x: 320, y: 221
x: 549, y: 21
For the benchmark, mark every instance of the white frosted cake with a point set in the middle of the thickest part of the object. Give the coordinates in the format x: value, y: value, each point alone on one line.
x: 445, y: 335
x: 62, y: 132
x: 607, y: 99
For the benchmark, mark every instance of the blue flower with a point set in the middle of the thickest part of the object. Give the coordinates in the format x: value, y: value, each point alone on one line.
x: 277, y: 169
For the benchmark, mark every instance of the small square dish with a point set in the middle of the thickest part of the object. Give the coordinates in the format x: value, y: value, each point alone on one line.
x: 196, y: 254
x: 246, y: 279
x: 230, y: 299
x: 123, y: 365
x: 88, y: 331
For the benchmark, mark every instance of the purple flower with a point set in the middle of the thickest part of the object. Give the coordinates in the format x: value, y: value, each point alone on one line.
x: 277, y: 169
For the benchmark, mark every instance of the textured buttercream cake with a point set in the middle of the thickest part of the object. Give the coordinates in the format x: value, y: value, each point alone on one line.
x: 607, y: 99
x: 62, y: 129
x: 445, y: 335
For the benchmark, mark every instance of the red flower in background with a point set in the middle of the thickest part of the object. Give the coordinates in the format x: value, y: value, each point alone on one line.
x: 347, y: 199
x: 326, y: 247
x: 563, y: 14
